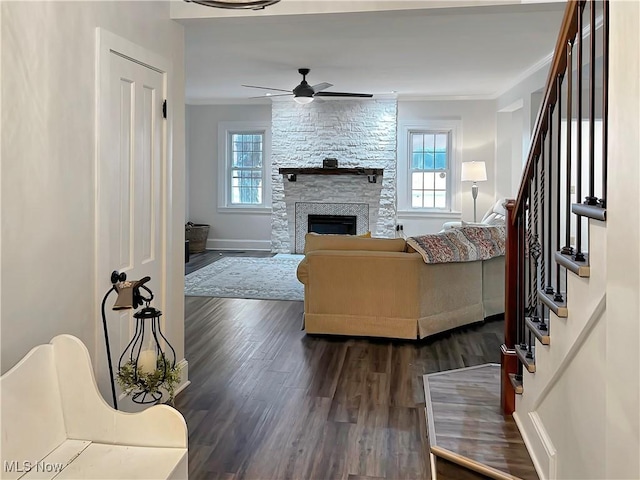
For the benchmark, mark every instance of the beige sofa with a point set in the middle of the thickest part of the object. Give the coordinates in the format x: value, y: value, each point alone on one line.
x: 375, y: 287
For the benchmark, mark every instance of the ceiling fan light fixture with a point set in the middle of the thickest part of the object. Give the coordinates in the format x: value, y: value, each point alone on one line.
x: 236, y: 4
x: 305, y: 93
x: 303, y: 100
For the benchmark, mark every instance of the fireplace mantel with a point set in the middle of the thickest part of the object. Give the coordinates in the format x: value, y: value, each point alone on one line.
x: 292, y: 173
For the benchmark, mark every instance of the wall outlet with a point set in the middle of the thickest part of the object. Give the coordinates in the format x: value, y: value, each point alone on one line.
x: 572, y: 240
x: 573, y: 189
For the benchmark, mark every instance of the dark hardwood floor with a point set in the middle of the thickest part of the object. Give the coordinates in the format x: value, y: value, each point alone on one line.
x: 267, y: 401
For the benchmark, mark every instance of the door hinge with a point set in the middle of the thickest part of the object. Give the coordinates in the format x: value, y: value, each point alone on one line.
x: 164, y: 109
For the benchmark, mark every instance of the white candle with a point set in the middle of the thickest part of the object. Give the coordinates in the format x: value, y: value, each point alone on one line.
x: 147, y: 361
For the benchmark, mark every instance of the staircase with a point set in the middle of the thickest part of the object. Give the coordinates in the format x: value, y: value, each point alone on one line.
x: 554, y: 365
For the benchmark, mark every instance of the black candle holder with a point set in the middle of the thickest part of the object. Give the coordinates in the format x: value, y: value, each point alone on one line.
x: 141, y: 376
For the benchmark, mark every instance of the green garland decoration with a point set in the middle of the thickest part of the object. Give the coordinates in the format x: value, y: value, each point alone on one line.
x: 149, y: 382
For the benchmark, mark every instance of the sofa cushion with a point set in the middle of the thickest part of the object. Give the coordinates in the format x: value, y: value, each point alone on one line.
x: 315, y: 241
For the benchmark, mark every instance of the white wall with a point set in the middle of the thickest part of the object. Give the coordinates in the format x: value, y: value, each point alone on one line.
x: 478, y: 129
x: 48, y: 166
x: 622, y: 380
x: 229, y: 230
x: 517, y: 110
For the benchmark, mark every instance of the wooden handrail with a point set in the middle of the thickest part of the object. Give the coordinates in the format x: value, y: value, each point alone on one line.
x: 568, y: 31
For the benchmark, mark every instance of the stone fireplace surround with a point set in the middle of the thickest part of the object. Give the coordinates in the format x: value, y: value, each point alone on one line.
x: 360, y: 134
x: 339, y: 195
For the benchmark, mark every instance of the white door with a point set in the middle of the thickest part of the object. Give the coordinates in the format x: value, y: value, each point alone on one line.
x: 131, y: 192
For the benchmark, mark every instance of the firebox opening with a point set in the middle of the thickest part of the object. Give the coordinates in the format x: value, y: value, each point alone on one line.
x: 333, y: 224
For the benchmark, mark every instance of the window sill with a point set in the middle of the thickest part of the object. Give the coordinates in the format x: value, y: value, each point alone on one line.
x: 429, y: 214
x: 246, y: 210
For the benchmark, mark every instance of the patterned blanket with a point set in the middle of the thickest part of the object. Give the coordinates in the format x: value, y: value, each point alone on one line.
x: 464, y: 244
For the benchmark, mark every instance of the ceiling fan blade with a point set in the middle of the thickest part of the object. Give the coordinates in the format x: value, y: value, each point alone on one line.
x: 276, y: 95
x: 321, y: 86
x: 343, y: 94
x: 267, y: 88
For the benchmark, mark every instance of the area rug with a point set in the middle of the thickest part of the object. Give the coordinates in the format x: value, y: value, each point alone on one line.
x: 266, y: 278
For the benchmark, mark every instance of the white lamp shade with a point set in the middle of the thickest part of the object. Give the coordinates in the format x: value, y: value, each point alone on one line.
x: 303, y: 100
x: 474, y: 172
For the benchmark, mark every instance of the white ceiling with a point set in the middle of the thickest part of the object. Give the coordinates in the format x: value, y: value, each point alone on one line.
x: 472, y: 52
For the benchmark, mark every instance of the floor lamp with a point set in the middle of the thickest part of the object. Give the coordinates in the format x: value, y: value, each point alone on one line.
x: 474, y: 172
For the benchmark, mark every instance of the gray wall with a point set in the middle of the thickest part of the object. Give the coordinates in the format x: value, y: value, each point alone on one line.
x: 229, y: 230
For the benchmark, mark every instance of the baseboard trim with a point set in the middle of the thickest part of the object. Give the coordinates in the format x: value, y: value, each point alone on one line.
x: 543, y: 439
x: 549, y: 448
x: 184, y: 376
x: 232, y: 244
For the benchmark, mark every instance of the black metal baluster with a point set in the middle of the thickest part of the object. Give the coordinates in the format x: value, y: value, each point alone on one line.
x: 522, y: 297
x: 605, y: 97
x: 558, y: 296
x: 567, y: 249
x: 579, y: 256
x: 591, y: 199
x: 541, y: 188
x: 548, y: 245
x: 530, y: 345
x: 538, y: 221
x: 534, y: 244
x: 533, y: 265
x: 521, y: 281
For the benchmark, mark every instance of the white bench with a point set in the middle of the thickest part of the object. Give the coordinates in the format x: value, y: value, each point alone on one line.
x: 55, y: 424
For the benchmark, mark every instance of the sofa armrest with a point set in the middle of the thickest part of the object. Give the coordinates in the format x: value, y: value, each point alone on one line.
x: 302, y: 271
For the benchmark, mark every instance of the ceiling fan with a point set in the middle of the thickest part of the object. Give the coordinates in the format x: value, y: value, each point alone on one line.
x: 305, y: 93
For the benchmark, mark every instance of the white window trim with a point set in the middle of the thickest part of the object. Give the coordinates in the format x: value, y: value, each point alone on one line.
x: 454, y: 127
x: 224, y: 194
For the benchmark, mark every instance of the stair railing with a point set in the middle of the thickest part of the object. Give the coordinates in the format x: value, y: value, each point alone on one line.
x: 546, y: 224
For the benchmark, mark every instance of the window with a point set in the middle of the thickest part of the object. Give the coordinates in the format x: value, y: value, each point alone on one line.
x: 429, y: 171
x: 246, y: 168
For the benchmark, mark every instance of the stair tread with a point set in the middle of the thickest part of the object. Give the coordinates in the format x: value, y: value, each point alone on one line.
x: 582, y: 269
x: 542, y: 336
x: 516, y: 384
x: 559, y: 308
x: 528, y: 363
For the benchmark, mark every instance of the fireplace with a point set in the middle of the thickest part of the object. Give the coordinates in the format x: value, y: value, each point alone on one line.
x: 340, y: 218
x: 334, y: 224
